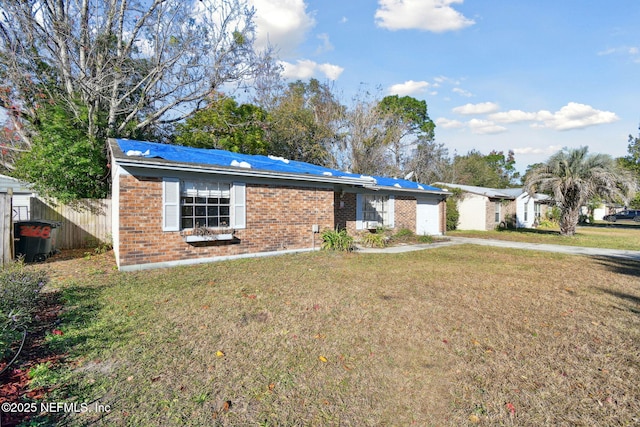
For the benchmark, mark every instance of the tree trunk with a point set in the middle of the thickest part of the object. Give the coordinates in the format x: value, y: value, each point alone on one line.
x: 568, y: 221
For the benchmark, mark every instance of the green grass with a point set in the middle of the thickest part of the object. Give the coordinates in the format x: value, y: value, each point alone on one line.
x: 603, y: 235
x: 445, y: 336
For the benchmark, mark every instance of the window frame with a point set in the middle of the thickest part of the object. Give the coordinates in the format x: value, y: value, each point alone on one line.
x: 208, y: 201
x: 172, y: 193
x: 388, y: 218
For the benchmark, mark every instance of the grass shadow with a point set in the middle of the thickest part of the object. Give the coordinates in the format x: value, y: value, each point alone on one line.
x: 624, y: 225
x: 632, y: 301
x: 530, y: 231
x: 619, y: 265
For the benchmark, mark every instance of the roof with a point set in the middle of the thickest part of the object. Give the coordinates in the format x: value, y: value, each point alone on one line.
x: 493, y: 193
x: 153, y: 154
x: 7, y: 182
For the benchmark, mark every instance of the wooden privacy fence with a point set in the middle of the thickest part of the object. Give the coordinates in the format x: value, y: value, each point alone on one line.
x: 86, y: 223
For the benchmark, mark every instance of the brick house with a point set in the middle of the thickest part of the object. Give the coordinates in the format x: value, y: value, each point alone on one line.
x: 484, y: 209
x: 175, y: 205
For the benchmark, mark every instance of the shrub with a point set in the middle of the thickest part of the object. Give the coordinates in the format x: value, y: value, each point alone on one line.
x: 337, y: 240
x: 19, y: 294
x: 374, y: 240
x: 425, y: 238
x: 404, y: 232
x: 453, y: 216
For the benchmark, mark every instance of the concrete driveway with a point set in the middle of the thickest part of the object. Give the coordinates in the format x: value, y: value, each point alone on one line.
x: 572, y: 250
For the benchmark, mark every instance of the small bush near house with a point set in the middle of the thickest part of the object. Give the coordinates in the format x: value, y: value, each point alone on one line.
x: 19, y: 293
x: 453, y: 216
x: 374, y: 240
x: 425, y: 238
x: 335, y: 240
x: 404, y: 232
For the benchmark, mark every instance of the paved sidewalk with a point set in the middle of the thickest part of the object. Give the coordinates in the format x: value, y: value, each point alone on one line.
x: 573, y: 250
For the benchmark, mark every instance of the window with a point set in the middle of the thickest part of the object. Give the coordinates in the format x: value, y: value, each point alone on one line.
x: 211, y: 204
x: 526, y: 211
x: 375, y: 209
x: 205, y: 204
x: 536, y: 210
x: 497, y: 204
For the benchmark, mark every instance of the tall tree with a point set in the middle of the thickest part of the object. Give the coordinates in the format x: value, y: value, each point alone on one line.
x: 494, y: 170
x: 362, y: 148
x: 120, y: 67
x: 573, y: 177
x: 225, y: 125
x: 430, y: 162
x: 404, y: 121
x: 304, y: 123
x: 631, y: 162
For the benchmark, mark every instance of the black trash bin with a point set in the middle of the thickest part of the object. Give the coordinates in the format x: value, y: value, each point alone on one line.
x: 35, y: 240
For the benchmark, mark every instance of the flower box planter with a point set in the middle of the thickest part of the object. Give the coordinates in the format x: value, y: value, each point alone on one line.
x: 208, y: 237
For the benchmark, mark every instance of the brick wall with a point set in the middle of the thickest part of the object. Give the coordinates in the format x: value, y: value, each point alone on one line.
x: 507, y: 208
x: 345, y: 212
x: 278, y: 218
x: 405, y: 213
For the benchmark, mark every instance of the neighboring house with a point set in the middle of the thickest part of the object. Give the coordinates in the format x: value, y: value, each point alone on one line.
x: 21, y: 200
x: 482, y: 208
x: 175, y: 205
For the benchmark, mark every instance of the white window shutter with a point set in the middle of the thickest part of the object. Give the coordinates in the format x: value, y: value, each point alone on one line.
x: 359, y: 213
x: 239, y: 203
x: 391, y: 212
x: 170, y: 204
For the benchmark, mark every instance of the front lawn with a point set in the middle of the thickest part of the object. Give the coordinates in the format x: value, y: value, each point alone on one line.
x: 459, y: 335
x: 603, y: 235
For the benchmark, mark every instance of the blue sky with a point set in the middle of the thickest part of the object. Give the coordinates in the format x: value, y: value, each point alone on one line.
x: 529, y: 76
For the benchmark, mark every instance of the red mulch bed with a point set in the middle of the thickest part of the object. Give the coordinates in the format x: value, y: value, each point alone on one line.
x: 14, y: 382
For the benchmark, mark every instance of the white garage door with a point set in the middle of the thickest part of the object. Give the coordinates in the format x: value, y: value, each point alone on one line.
x: 428, y: 216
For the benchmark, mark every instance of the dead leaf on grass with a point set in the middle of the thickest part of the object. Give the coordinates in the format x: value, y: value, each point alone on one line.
x: 511, y: 408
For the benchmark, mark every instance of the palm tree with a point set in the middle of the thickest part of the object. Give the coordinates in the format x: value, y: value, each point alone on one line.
x: 572, y: 177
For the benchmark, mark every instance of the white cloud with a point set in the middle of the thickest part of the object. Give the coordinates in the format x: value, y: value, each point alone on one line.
x: 513, y: 116
x: 305, y: 69
x: 332, y: 72
x: 632, y: 52
x: 429, y: 15
x: 481, y: 108
x: 326, y: 45
x: 574, y: 116
x: 485, y: 127
x: 281, y: 23
x: 409, y: 87
x: 551, y: 149
x: 448, y: 123
x: 462, y: 92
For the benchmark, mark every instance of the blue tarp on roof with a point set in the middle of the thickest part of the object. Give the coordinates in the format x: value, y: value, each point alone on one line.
x: 178, y: 153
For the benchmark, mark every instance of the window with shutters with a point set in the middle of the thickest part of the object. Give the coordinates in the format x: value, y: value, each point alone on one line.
x: 197, y: 204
